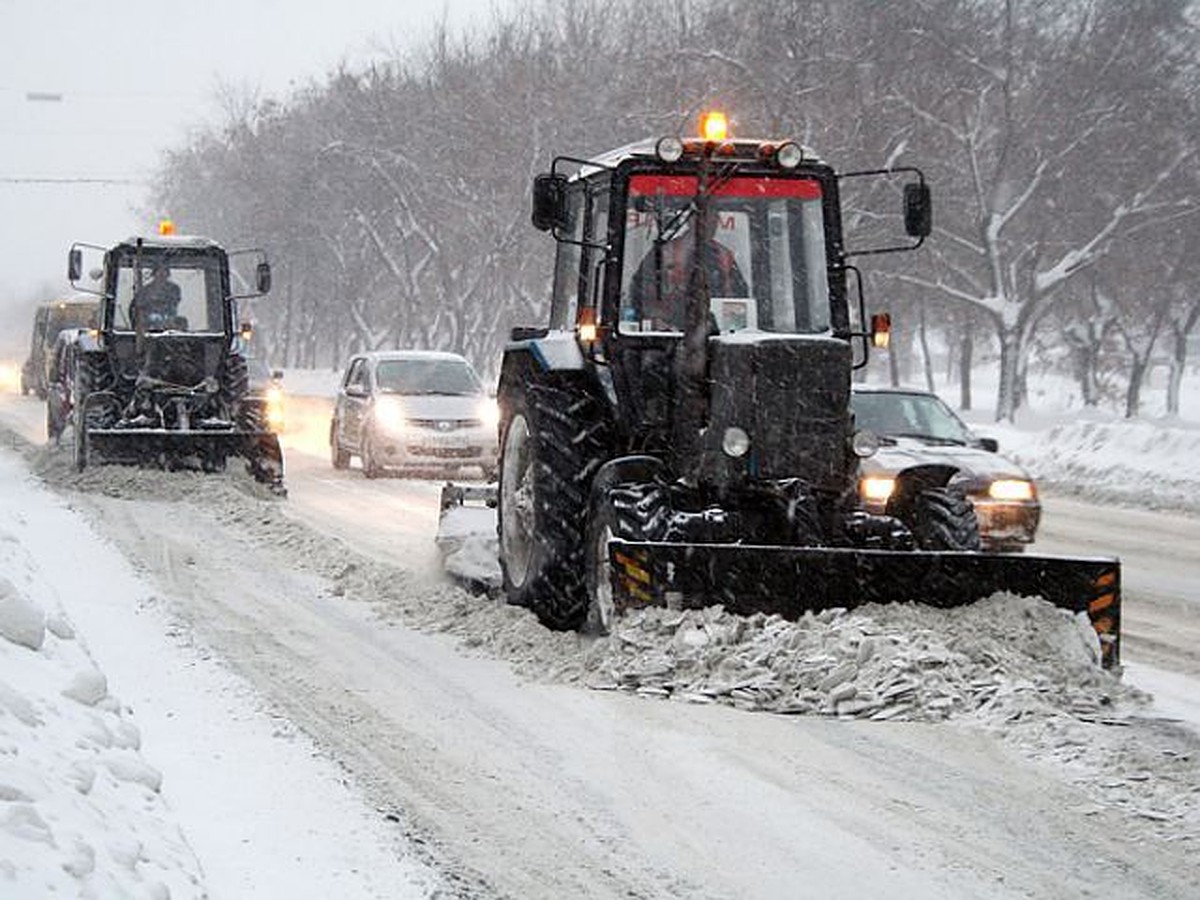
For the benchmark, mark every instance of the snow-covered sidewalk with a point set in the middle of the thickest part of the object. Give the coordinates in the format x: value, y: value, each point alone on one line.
x: 90, y: 664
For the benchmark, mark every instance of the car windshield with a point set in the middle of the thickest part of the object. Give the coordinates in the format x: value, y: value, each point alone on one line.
x: 426, y: 376
x: 897, y: 414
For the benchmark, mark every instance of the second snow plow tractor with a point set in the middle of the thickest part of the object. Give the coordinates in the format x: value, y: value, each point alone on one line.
x: 163, y: 381
x: 681, y: 432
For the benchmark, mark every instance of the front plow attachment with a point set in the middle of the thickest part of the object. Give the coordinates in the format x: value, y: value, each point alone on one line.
x: 790, y: 581
x: 205, y: 449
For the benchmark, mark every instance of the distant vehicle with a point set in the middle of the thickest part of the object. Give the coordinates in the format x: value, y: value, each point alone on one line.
x: 414, y: 411
x: 76, y: 312
x: 267, y: 384
x: 917, y: 429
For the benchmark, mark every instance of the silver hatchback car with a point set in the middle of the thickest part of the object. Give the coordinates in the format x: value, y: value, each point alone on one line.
x: 415, y: 411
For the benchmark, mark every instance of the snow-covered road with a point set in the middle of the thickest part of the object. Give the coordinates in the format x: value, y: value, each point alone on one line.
x: 520, y: 782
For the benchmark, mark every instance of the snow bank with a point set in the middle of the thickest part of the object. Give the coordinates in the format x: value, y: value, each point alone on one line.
x: 80, y: 809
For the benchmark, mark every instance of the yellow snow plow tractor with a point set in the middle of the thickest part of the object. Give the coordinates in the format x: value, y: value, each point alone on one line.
x: 680, y: 433
x: 163, y: 381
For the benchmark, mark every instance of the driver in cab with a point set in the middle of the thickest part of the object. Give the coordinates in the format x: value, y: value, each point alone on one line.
x: 156, y: 303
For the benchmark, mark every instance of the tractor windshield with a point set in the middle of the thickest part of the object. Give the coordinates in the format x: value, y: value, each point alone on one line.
x: 177, y: 292
x: 763, y: 258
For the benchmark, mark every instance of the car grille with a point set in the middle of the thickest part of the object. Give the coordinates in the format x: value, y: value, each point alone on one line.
x: 445, y: 424
x: 445, y: 452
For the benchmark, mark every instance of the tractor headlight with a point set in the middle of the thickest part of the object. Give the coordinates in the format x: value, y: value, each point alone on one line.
x: 864, y: 443
x: 1011, y: 489
x: 390, y: 415
x: 735, y: 442
x: 877, y: 487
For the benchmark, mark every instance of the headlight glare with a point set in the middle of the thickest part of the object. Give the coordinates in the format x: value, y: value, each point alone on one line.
x: 389, y: 414
x: 877, y: 487
x: 489, y: 413
x: 1011, y: 489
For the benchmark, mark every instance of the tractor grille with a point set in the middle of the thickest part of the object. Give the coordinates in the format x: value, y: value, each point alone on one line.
x: 792, y: 396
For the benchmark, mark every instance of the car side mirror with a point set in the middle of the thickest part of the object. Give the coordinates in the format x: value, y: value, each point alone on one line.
x: 918, y: 209
x: 991, y: 445
x: 277, y: 374
x: 550, y: 202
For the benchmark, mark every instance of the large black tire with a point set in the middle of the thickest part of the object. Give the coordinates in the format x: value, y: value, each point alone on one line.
x: 635, y: 511
x: 235, y: 381
x: 942, y: 519
x: 92, y: 376
x: 553, y: 441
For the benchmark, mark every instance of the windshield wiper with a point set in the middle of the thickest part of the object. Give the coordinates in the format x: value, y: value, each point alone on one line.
x: 933, y: 439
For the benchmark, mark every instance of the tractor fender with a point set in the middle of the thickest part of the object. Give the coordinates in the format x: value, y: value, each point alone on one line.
x: 911, y: 482
x: 553, y: 351
x: 87, y: 340
x: 638, y: 468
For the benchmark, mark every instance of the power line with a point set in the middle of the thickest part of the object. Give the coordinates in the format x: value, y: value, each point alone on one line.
x: 127, y: 181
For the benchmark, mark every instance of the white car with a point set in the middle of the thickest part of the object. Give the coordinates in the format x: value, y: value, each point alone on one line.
x: 415, y: 411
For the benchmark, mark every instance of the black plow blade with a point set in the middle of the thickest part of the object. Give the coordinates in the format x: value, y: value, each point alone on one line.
x: 789, y: 581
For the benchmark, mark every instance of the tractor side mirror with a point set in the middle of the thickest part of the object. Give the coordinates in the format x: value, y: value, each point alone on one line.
x: 263, y: 274
x: 74, y: 264
x: 918, y: 210
x: 550, y: 203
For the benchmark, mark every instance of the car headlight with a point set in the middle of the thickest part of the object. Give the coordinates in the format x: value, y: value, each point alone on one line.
x: 273, y: 402
x: 1011, y: 489
x: 389, y: 415
x: 877, y: 487
x: 489, y: 413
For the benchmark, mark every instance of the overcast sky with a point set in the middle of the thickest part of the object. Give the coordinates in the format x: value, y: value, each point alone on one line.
x: 134, y: 76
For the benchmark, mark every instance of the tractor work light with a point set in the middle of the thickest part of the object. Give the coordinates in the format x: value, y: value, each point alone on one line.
x: 669, y: 149
x: 881, y: 330
x: 789, y: 155
x: 714, y: 126
x: 586, y: 325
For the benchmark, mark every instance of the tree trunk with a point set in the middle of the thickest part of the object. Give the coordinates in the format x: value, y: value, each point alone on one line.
x: 1133, y: 394
x: 1175, y: 376
x: 927, y: 360
x: 966, y: 354
x: 1008, y: 391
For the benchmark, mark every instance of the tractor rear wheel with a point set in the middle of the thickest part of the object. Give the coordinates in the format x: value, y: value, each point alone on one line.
x: 552, y: 444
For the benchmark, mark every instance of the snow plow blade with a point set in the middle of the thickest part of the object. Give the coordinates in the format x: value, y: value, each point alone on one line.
x: 466, y: 535
x: 205, y: 449
x: 790, y: 581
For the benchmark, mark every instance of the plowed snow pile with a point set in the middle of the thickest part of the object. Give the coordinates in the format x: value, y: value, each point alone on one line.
x: 1016, y: 666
